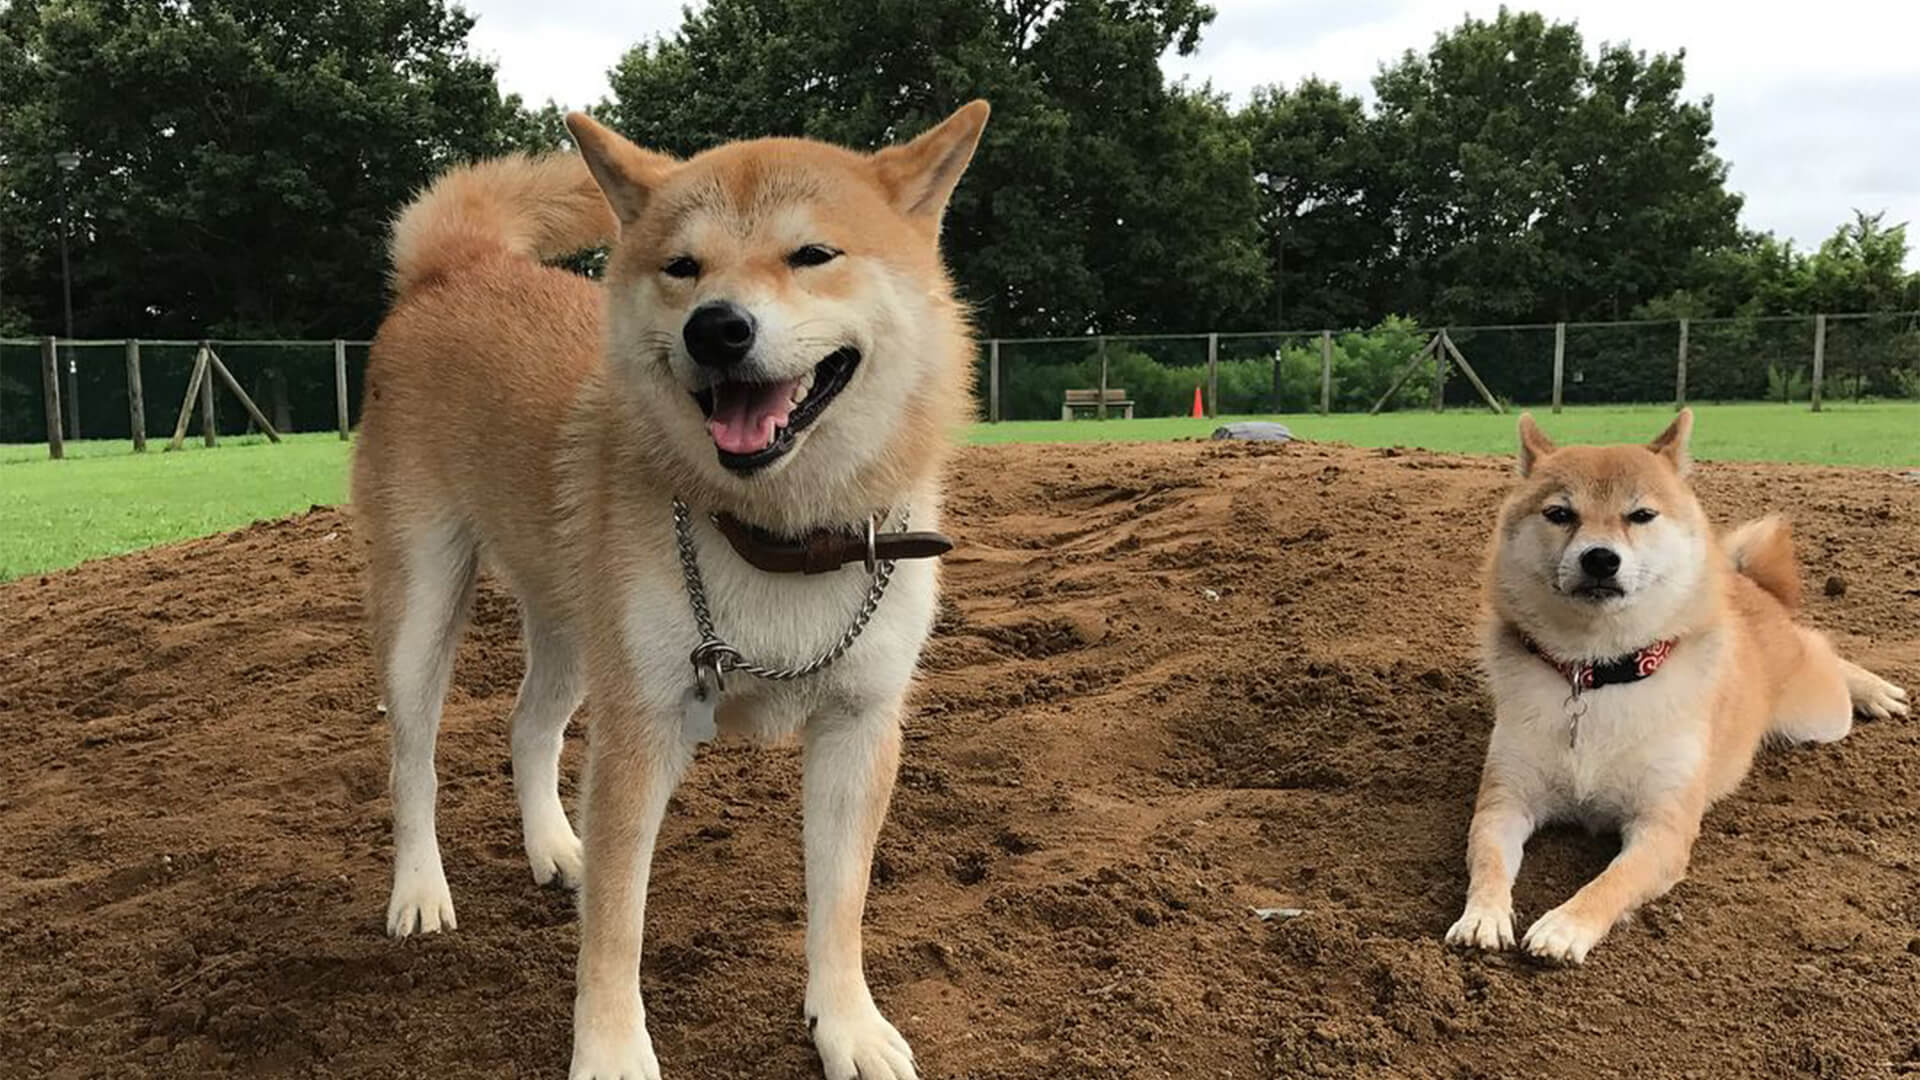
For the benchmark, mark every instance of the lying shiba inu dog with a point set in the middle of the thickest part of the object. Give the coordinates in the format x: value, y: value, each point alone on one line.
x: 696, y: 479
x: 1636, y: 662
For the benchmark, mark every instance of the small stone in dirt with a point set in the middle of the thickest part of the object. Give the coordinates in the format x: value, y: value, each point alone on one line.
x: 1277, y: 914
x: 1836, y: 585
x: 1257, y: 430
x: 1015, y: 842
x: 1210, y: 594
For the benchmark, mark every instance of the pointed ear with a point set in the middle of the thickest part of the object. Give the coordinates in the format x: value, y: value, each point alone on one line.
x: 1534, y: 444
x: 627, y: 175
x: 920, y: 176
x: 1672, y: 443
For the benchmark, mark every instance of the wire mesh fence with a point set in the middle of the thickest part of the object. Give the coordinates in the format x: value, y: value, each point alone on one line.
x: 1401, y: 365
x: 1396, y: 364
x: 295, y: 384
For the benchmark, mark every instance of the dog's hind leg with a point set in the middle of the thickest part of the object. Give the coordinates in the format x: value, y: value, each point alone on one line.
x: 424, y: 578
x: 1872, y: 695
x: 1818, y: 700
x: 848, y: 776
x: 549, y: 694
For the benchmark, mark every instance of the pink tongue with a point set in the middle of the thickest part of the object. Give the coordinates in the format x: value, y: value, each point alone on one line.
x: 746, y: 415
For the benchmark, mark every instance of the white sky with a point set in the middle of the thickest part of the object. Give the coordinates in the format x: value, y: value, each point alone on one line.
x: 1816, y: 106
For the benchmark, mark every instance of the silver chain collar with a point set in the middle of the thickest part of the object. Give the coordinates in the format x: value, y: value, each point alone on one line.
x: 713, y: 658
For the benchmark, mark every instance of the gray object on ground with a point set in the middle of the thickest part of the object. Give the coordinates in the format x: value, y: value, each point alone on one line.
x: 1257, y: 430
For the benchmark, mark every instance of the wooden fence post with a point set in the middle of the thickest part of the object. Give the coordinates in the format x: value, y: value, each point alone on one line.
x: 1101, y: 408
x: 136, y: 398
x: 1406, y: 373
x: 1441, y: 368
x: 1326, y: 372
x: 993, y: 381
x: 50, y: 389
x: 1819, y: 357
x: 340, y: 384
x: 208, y: 433
x: 1213, y: 375
x: 1559, y: 362
x: 186, y: 403
x: 246, y: 402
x: 1460, y: 361
x: 1680, y: 382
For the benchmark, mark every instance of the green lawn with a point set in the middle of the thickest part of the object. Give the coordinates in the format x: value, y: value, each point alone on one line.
x: 105, y: 500
x: 1874, y: 434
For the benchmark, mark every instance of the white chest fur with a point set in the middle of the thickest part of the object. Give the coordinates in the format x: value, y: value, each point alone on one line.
x: 1600, y: 756
x: 776, y: 621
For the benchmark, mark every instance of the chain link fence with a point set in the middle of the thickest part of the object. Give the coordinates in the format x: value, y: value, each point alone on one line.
x: 1396, y: 364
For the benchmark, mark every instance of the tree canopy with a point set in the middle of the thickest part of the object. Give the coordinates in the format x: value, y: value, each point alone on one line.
x: 240, y: 161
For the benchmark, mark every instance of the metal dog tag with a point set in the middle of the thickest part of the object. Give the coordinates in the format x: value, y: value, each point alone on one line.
x: 697, y: 715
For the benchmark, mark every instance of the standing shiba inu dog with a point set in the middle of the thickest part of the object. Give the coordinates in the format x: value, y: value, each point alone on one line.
x: 695, y: 478
x: 1636, y: 663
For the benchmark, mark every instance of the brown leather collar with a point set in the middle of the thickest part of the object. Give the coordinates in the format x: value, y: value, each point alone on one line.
x: 825, y: 550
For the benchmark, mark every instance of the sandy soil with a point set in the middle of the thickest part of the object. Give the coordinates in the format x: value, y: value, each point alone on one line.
x: 1171, y: 684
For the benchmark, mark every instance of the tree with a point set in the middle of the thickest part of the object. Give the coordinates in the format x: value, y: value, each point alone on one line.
x: 1534, y: 182
x: 1326, y: 205
x: 1099, y: 198
x: 1862, y: 267
x: 240, y: 159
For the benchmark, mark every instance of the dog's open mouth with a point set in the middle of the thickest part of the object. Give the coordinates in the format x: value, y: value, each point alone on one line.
x: 754, y: 423
x: 1598, y: 591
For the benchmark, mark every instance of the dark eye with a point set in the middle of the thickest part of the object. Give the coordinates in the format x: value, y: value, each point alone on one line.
x: 681, y: 266
x: 1642, y: 516
x: 811, y: 255
x: 1559, y: 515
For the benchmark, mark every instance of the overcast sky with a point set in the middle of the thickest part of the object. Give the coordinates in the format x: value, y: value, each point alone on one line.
x: 1816, y: 106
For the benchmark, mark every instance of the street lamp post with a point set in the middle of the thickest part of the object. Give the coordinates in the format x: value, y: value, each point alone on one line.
x: 68, y: 161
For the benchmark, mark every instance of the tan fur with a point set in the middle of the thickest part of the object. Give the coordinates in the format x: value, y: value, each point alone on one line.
x: 531, y: 207
x: 523, y: 417
x: 1762, y: 552
x: 1646, y: 757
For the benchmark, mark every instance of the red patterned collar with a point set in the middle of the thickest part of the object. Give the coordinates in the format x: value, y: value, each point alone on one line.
x: 1584, y: 675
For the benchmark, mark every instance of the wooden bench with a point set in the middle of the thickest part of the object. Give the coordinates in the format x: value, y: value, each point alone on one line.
x: 1088, y: 402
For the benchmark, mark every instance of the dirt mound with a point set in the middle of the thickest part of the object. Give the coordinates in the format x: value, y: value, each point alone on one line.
x: 1170, y: 684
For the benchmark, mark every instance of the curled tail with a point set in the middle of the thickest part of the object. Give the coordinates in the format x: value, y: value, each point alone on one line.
x: 533, y: 207
x: 1762, y: 551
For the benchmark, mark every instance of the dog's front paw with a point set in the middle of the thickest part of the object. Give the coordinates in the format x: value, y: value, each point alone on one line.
x: 607, y: 1056
x: 555, y: 856
x: 1880, y: 699
x: 1483, y: 927
x: 857, y: 1043
x: 421, y: 901
x: 1563, y: 937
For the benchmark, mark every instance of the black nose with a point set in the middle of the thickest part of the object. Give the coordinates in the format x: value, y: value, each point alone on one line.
x: 719, y: 334
x: 1600, y: 562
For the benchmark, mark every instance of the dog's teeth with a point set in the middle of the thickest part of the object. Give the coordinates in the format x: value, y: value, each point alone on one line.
x: 799, y: 392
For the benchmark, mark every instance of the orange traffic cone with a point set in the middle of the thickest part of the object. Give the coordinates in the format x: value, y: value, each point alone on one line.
x: 1198, y: 412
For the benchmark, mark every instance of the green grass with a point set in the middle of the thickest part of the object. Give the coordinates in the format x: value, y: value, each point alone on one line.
x: 105, y: 500
x: 1885, y: 434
